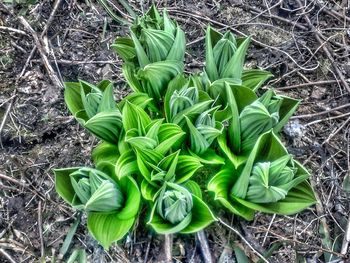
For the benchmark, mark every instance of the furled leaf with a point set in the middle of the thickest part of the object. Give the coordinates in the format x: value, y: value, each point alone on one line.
x: 255, y: 78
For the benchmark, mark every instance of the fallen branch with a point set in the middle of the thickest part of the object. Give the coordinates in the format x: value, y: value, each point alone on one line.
x: 49, y: 21
x: 52, y: 75
x: 316, y: 83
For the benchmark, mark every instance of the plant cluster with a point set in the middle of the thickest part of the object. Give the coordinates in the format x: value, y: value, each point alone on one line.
x: 157, y: 143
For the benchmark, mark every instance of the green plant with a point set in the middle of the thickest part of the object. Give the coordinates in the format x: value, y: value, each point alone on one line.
x: 172, y: 128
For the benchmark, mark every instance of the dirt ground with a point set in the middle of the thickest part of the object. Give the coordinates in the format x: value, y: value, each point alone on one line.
x: 304, y: 44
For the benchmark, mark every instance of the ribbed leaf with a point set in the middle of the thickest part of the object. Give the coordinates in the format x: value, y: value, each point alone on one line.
x: 175, y: 84
x: 177, y: 51
x: 191, y: 112
x: 255, y: 78
x: 194, y: 188
x: 63, y: 183
x: 126, y: 164
x: 125, y: 48
x: 129, y: 73
x: 211, y: 38
x: 107, y: 102
x: 106, y: 126
x: 105, y: 152
x: 132, y: 198
x: 234, y: 129
x: 268, y: 147
x: 288, y: 107
x: 223, y: 51
x: 108, y: 228
x: 221, y: 185
x: 156, y: 76
x: 140, y: 99
x: 234, y: 68
x: 187, y: 165
x: 201, y: 216
x: 140, y: 52
x: 72, y: 97
x: 158, y: 43
x: 198, y: 143
x: 148, y: 191
x: 170, y: 136
x: 107, y: 197
x: 146, y: 157
x: 209, y: 157
x: 134, y: 115
x: 161, y: 226
x: 297, y: 199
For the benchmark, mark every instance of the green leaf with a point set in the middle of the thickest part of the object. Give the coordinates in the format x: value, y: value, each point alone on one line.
x: 68, y: 239
x: 162, y: 226
x: 234, y: 129
x: 175, y: 84
x: 221, y: 185
x: 236, y: 160
x: 268, y: 147
x: 198, y: 143
x: 148, y: 191
x: 209, y: 157
x: 108, y: 228
x: 105, y: 152
x: 126, y: 164
x: 238, y: 97
x: 186, y: 166
x: 107, y: 101
x: 140, y: 52
x: 133, y: 115
x: 346, y: 184
x: 105, y: 198
x: 129, y: 73
x: 157, y: 43
x: 133, y: 198
x: 72, y: 97
x: 140, y: 99
x: 177, y: 51
x: 63, y: 183
x: 156, y: 76
x: 234, y: 67
x: 191, y: 112
x: 298, y: 199
x: 194, y: 188
x: 170, y: 135
x: 211, y: 38
x: 201, y: 216
x: 255, y: 78
x: 77, y: 255
x: 125, y: 48
x: 146, y: 157
x: 106, y: 125
x: 240, y: 255
x: 288, y: 107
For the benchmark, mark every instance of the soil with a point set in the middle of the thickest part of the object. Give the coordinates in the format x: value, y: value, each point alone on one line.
x: 39, y: 134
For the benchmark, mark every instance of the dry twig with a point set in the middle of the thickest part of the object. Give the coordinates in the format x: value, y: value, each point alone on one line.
x: 204, y: 246
x: 244, y: 240
x: 318, y: 36
x: 40, y: 228
x: 54, y: 79
x: 168, y: 248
